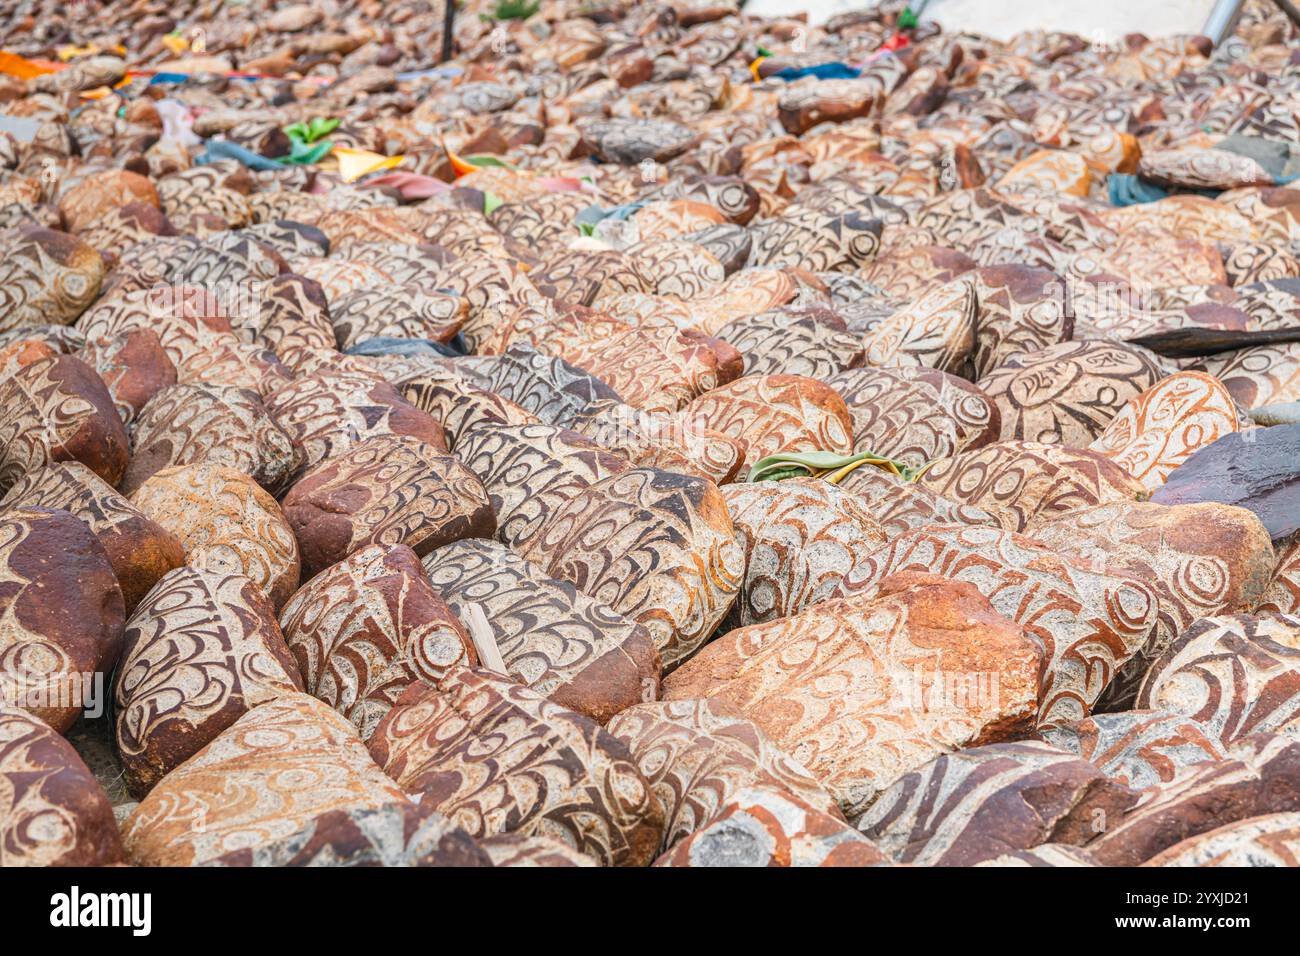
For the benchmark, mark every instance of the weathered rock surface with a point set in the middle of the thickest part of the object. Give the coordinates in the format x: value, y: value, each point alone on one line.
x: 1088, y: 620
x: 385, y: 490
x: 997, y: 798
x: 493, y: 756
x: 655, y: 546
x: 58, y: 409
x: 63, y: 613
x: 225, y: 522
x: 858, y: 691
x: 365, y: 629
x: 201, y: 650
x: 577, y: 651
x: 761, y: 827
x: 699, y: 754
x: 801, y: 537
x: 54, y: 812
x: 1235, y: 674
x: 140, y: 549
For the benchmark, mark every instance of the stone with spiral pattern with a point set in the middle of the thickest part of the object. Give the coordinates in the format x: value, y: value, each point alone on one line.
x: 1259, y: 779
x: 1068, y: 393
x: 390, y: 489
x: 656, y: 546
x: 996, y: 798
x: 1236, y: 674
x: 1201, y: 560
x: 201, y: 650
x: 329, y: 412
x: 935, y: 331
x: 63, y: 613
x: 225, y: 522
x: 915, y: 415
x: 811, y: 342
x: 1023, y: 483
x: 57, y: 409
x: 52, y: 810
x: 1161, y: 428
x: 865, y: 690
x: 801, y: 537
x: 189, y: 424
x: 530, y: 470
x: 774, y: 413
x: 400, y: 311
x: 817, y: 241
x: 395, y: 834
x: 1139, y: 748
x: 580, y: 653
x: 494, y: 757
x: 1269, y: 840
x: 699, y: 754
x: 1088, y: 616
x: 760, y: 826
x: 265, y: 778
x: 1283, y: 594
x: 365, y: 629
x: 139, y: 548
x: 47, y: 278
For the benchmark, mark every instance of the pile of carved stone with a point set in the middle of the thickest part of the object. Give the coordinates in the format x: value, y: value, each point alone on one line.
x: 376, y: 434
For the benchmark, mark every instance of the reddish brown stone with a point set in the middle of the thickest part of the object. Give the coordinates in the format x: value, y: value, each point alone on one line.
x: 55, y: 410
x: 65, y: 613
x: 140, y: 550
x: 55, y: 813
x: 134, y: 367
x: 365, y: 629
x: 762, y: 827
x: 385, y: 490
x: 493, y: 756
x: 1009, y: 796
x: 201, y: 650
x: 847, y: 688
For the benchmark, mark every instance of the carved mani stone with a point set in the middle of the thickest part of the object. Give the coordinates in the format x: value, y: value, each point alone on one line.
x: 395, y: 834
x: 578, y: 652
x: 655, y: 546
x: 698, y: 754
x: 53, y: 812
x: 1236, y: 674
x: 62, y: 626
x: 801, y: 537
x: 366, y: 628
x: 1201, y: 559
x: 226, y: 522
x: 189, y: 424
x: 1021, y: 482
x: 140, y: 549
x: 1089, y: 622
x: 858, y: 690
x: 1140, y: 748
x: 202, y: 649
x: 385, y: 490
x: 495, y: 756
x: 57, y: 409
x: 769, y: 828
x: 265, y: 778
x: 1007, y: 796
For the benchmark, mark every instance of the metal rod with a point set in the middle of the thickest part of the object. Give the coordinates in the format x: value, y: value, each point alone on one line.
x: 1222, y: 20
x: 448, y: 21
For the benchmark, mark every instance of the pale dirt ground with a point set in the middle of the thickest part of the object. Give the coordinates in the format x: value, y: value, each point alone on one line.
x: 1096, y: 19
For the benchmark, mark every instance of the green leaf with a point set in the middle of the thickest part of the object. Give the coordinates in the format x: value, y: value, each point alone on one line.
x: 515, y: 9
x: 484, y: 162
x: 490, y: 202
